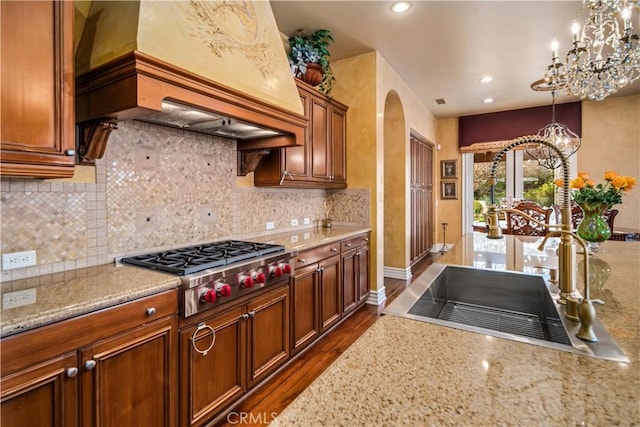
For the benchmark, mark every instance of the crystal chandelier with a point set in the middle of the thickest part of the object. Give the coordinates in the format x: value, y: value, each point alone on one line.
x: 602, y: 59
x: 561, y: 136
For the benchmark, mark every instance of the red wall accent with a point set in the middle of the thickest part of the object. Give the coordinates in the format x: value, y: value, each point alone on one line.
x: 507, y: 125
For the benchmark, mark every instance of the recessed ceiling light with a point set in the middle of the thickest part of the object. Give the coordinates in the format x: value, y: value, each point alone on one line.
x: 488, y: 100
x: 486, y: 79
x: 401, y: 6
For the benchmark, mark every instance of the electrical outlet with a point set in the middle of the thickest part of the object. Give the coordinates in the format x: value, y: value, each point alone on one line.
x: 306, y: 236
x: 294, y: 238
x: 270, y: 225
x: 18, y: 260
x: 294, y: 222
x: 18, y: 298
x: 306, y: 221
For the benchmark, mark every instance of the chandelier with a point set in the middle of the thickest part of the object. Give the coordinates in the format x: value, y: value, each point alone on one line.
x: 559, y: 134
x: 603, y: 59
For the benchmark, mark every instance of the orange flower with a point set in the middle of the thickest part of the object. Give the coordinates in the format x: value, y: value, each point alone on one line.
x: 590, y: 183
x: 558, y: 182
x: 583, y: 175
x: 609, y: 175
x: 619, y: 182
x: 631, y: 182
x: 577, y: 183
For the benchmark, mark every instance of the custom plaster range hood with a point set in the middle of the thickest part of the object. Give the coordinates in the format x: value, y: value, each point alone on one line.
x: 206, y: 66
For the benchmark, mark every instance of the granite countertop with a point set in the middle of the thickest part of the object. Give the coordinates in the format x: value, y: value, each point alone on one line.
x: 68, y: 294
x: 406, y: 372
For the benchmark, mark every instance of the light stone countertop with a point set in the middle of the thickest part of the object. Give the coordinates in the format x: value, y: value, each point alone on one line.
x: 406, y: 372
x: 68, y: 294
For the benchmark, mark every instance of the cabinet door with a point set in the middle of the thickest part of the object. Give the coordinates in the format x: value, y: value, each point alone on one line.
x: 320, y: 146
x: 304, y: 313
x: 350, y: 291
x: 363, y: 274
x: 296, y: 159
x: 131, y: 379
x: 211, y: 381
x: 338, y: 145
x: 42, y: 395
x: 330, y: 292
x: 37, y: 82
x: 268, y: 333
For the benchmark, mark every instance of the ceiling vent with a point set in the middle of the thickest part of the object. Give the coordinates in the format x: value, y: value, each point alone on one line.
x: 440, y: 101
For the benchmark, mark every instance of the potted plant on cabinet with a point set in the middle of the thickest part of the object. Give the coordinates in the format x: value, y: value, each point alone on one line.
x: 309, y: 59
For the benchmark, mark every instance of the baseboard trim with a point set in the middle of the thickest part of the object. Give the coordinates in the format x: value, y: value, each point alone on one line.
x: 397, y: 273
x: 438, y: 247
x: 377, y: 297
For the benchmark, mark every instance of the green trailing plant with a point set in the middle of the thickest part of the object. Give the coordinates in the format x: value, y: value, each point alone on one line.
x: 312, y: 48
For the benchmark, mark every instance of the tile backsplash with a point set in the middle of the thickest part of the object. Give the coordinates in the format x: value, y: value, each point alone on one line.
x: 156, y: 188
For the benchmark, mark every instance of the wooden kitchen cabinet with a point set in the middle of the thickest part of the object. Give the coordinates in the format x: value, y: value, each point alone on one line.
x: 355, y: 272
x: 37, y: 136
x: 321, y: 161
x: 316, y: 294
x: 117, y: 366
x: 251, y: 341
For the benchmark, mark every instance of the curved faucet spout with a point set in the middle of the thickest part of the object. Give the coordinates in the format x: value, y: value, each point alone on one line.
x: 566, y: 255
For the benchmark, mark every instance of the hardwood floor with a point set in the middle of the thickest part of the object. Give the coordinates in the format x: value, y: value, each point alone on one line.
x: 270, y: 399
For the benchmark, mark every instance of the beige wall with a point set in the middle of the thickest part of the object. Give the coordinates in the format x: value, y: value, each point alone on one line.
x: 611, y: 141
x: 364, y: 82
x: 449, y: 211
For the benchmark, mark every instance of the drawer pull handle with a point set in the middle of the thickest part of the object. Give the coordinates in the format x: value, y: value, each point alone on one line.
x: 302, y: 260
x: 348, y: 245
x: 72, y: 372
x: 89, y: 364
x: 70, y: 152
x: 200, y: 327
x: 334, y: 249
x: 151, y: 311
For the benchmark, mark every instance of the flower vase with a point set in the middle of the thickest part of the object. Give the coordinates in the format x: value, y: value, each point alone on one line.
x: 593, y: 228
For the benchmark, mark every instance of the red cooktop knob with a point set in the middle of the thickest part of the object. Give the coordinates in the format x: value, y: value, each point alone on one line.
x: 248, y: 282
x: 260, y: 277
x: 286, y: 269
x: 223, y: 289
x: 208, y: 296
x: 276, y: 271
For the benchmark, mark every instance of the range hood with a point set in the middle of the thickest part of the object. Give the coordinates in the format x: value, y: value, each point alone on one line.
x: 213, y: 67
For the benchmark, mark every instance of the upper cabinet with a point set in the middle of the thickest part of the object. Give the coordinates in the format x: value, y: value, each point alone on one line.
x: 321, y: 161
x: 37, y: 136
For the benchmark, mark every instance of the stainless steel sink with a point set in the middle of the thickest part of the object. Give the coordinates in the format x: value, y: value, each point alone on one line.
x: 514, y: 306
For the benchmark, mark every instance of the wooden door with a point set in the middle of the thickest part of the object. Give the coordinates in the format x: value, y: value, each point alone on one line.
x: 37, y: 131
x: 45, y: 394
x: 305, y: 320
x: 131, y: 379
x: 330, y: 292
x: 268, y: 333
x: 421, y: 189
x: 211, y: 381
x: 350, y: 291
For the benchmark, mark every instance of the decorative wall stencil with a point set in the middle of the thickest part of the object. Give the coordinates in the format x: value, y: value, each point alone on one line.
x: 230, y: 27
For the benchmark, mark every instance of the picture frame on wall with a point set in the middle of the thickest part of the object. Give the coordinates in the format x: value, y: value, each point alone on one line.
x: 449, y: 190
x: 448, y: 169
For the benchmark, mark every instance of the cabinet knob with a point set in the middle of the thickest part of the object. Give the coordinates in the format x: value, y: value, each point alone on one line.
x: 151, y: 311
x: 348, y: 245
x: 366, y: 239
x: 245, y: 316
x: 89, y: 364
x: 302, y: 260
x: 334, y: 249
x: 252, y: 313
x: 70, y: 152
x: 72, y: 372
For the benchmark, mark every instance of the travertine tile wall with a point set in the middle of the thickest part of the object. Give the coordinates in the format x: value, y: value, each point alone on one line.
x: 156, y: 188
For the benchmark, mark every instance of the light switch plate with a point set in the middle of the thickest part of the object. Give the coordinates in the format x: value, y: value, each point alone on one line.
x: 306, y: 221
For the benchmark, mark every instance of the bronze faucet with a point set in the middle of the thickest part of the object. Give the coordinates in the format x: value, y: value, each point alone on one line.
x: 586, y: 310
x: 566, y: 250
